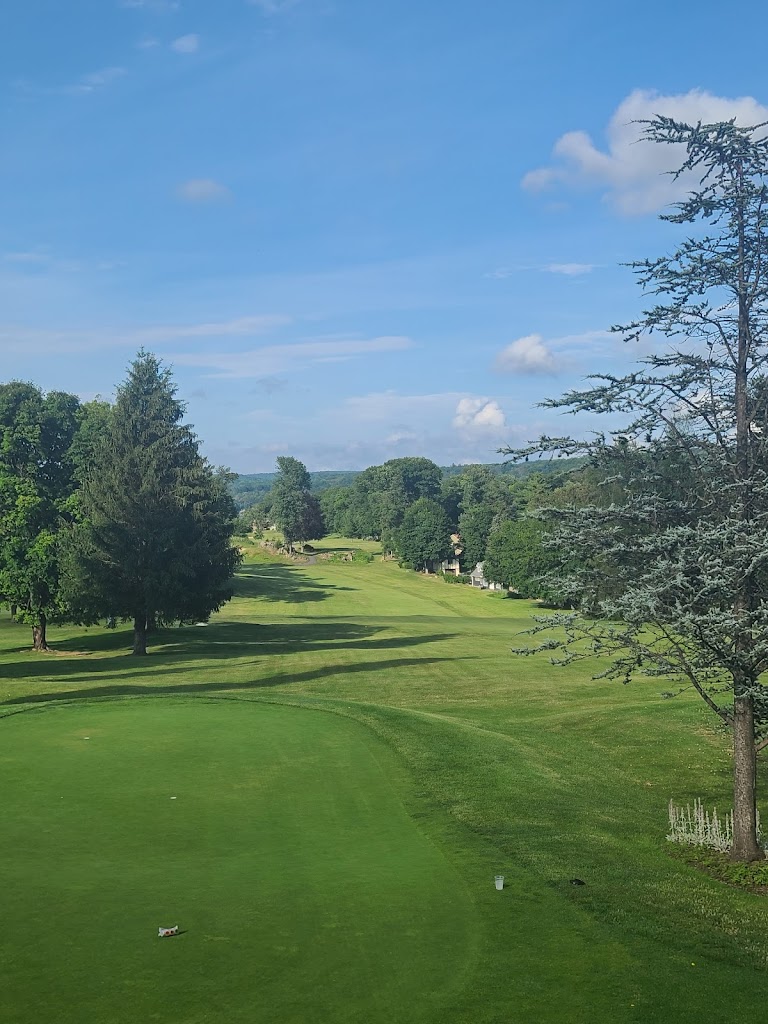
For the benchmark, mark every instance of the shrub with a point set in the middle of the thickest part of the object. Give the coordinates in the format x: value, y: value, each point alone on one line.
x: 693, y: 826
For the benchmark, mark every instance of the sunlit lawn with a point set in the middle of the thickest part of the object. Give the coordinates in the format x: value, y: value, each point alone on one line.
x: 505, y: 764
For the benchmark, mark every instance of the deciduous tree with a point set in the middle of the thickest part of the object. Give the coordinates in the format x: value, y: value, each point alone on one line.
x: 295, y: 510
x: 424, y: 535
x: 36, y: 481
x: 516, y: 556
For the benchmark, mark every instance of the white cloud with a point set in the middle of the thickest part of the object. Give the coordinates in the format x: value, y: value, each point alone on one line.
x: 202, y: 190
x: 275, y: 359
x: 525, y: 355
x: 634, y: 175
x: 479, y: 416
x: 186, y: 44
x: 569, y: 269
x: 148, y: 43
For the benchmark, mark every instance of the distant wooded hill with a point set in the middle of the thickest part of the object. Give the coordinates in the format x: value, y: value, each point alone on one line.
x: 249, y: 488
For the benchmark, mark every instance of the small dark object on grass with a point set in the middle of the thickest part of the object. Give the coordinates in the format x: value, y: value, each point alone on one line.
x: 577, y: 881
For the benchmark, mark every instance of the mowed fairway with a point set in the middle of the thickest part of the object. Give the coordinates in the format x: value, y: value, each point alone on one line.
x: 274, y: 837
x: 359, y: 720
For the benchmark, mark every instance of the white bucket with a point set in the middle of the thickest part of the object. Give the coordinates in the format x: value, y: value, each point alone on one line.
x: 499, y: 880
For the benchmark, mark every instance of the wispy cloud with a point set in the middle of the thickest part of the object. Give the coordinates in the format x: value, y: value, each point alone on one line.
x: 270, y: 385
x: 399, y: 410
x: 270, y: 360
x: 203, y: 190
x: 33, y: 256
x: 155, y: 6
x: 33, y: 340
x: 186, y: 44
x: 244, y: 326
x: 569, y: 269
x: 98, y: 79
x: 92, y: 82
x: 633, y: 176
x: 270, y: 7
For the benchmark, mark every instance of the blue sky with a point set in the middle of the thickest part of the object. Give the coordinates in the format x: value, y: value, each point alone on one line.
x: 356, y: 230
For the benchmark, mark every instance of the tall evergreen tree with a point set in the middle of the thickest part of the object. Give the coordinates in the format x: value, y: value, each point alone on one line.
x: 153, y: 545
x: 689, y: 567
x: 36, y: 482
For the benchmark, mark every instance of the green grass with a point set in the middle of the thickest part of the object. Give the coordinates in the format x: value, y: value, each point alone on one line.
x: 303, y: 888
x: 502, y: 763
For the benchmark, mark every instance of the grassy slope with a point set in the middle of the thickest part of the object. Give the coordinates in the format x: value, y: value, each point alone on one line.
x: 519, y: 767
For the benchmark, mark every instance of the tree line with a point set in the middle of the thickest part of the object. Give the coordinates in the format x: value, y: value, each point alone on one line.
x: 109, y: 511
x: 424, y: 516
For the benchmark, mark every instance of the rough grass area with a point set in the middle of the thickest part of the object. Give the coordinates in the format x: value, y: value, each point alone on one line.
x: 505, y: 764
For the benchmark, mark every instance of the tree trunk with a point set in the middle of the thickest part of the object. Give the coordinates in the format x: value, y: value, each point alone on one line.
x: 745, y: 846
x: 14, y: 609
x: 151, y: 623
x: 140, y: 634
x: 39, y: 639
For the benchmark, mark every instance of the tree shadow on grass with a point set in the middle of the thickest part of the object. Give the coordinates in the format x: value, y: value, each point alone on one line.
x: 274, y: 582
x: 183, y: 640
x: 226, y: 641
x: 277, y: 679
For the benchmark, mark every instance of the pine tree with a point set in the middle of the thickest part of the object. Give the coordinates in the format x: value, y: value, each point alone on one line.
x: 688, y: 566
x: 153, y: 545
